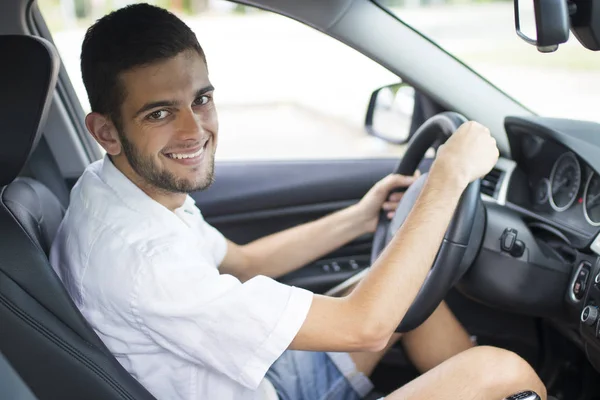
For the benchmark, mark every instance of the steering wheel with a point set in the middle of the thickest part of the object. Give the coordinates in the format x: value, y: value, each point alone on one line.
x: 465, y: 232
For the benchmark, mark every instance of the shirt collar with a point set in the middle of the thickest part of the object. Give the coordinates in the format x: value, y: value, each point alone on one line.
x: 135, y: 197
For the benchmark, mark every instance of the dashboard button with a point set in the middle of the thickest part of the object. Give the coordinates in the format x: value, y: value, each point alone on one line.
x: 336, y: 267
x: 581, y: 280
x: 589, y: 315
x: 508, y: 239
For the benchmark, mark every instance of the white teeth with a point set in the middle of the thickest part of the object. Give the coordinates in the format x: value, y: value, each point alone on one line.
x: 191, y: 155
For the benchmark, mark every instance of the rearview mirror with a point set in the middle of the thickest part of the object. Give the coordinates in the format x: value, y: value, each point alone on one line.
x: 390, y: 113
x: 542, y: 23
x: 585, y: 23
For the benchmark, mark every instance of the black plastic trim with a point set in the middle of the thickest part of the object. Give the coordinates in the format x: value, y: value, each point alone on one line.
x: 533, y: 284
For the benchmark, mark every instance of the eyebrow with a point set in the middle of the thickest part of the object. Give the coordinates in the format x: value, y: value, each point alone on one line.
x: 170, y: 103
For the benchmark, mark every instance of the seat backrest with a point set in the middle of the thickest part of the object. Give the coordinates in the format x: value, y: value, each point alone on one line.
x: 11, y: 384
x: 36, y: 208
x: 42, y: 333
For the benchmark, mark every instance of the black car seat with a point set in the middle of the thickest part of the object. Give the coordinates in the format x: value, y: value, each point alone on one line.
x: 36, y: 208
x: 42, y: 333
x: 11, y: 385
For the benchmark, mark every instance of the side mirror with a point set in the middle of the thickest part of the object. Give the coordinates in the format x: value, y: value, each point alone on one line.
x: 390, y: 113
x: 542, y: 23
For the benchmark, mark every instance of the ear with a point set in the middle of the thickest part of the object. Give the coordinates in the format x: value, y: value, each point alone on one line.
x: 104, y: 131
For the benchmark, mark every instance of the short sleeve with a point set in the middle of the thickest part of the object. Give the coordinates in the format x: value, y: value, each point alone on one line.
x: 214, y: 320
x: 219, y: 243
x: 215, y: 239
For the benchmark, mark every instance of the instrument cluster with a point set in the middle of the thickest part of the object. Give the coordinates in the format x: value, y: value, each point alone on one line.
x: 567, y: 184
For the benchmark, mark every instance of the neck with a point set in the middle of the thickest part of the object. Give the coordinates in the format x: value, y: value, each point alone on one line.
x: 170, y: 200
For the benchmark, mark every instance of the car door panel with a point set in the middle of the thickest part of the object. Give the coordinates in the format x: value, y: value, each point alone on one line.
x: 243, y: 187
x: 251, y: 200
x: 243, y: 227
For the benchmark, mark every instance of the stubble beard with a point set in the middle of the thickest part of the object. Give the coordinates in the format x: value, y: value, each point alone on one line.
x: 161, y: 178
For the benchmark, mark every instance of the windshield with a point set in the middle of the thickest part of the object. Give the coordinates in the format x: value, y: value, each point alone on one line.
x: 481, y: 33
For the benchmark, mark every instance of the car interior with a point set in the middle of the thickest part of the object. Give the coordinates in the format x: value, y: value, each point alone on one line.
x: 527, y: 279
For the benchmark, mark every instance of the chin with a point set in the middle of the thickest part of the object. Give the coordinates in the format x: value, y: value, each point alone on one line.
x: 199, y: 182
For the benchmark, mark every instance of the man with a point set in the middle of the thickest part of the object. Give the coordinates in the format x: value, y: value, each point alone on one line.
x: 194, y: 316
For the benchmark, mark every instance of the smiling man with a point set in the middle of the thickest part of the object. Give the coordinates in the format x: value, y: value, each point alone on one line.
x: 194, y: 316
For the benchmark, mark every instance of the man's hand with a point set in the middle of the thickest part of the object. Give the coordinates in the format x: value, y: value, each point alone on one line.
x: 468, y: 154
x: 379, y: 198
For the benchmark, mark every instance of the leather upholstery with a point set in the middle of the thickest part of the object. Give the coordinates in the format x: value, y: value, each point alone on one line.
x: 42, y: 333
x: 28, y: 74
x: 11, y: 383
x: 36, y: 208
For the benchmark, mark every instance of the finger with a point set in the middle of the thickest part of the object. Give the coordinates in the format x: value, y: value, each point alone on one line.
x: 393, y: 181
x: 389, y: 206
x: 391, y: 214
x: 417, y: 174
x: 396, y: 196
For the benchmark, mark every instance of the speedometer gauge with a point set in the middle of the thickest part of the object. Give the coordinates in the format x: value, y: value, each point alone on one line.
x: 591, y: 200
x: 565, y: 182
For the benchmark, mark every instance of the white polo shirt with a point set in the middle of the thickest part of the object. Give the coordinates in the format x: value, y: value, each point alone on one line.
x: 147, y: 281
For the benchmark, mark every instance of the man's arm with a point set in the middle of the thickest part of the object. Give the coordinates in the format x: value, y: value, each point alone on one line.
x: 283, y: 252
x: 367, y: 317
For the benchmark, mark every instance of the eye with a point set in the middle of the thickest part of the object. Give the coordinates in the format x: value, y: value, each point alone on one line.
x: 201, y: 100
x: 158, y: 115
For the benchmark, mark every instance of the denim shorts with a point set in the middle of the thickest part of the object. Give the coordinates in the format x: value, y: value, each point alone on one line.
x: 307, y: 375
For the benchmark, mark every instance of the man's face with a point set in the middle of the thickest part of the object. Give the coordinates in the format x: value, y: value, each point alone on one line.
x: 169, y: 124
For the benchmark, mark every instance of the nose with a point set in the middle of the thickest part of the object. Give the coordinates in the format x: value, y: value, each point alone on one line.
x: 189, y: 125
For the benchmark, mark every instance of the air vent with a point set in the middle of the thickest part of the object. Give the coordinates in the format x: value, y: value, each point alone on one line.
x: 490, y: 184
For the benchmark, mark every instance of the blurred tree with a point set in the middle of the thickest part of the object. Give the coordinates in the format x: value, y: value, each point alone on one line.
x: 82, y: 8
x: 240, y: 9
x: 195, y: 6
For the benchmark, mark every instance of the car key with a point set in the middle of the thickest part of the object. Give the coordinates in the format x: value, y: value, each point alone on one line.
x: 528, y: 395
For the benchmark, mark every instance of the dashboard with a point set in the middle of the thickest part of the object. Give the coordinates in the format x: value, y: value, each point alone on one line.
x: 541, y: 248
x: 554, y: 182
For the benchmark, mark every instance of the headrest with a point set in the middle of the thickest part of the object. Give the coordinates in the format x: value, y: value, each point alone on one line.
x: 28, y: 73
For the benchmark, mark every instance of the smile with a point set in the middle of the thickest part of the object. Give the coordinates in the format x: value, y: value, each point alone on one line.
x: 183, y: 156
x: 180, y: 156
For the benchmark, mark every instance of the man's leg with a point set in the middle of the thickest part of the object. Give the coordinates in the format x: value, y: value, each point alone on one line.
x: 436, y: 340
x: 480, y: 373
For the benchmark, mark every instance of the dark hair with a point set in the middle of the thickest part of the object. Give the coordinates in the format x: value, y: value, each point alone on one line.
x: 136, y: 35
